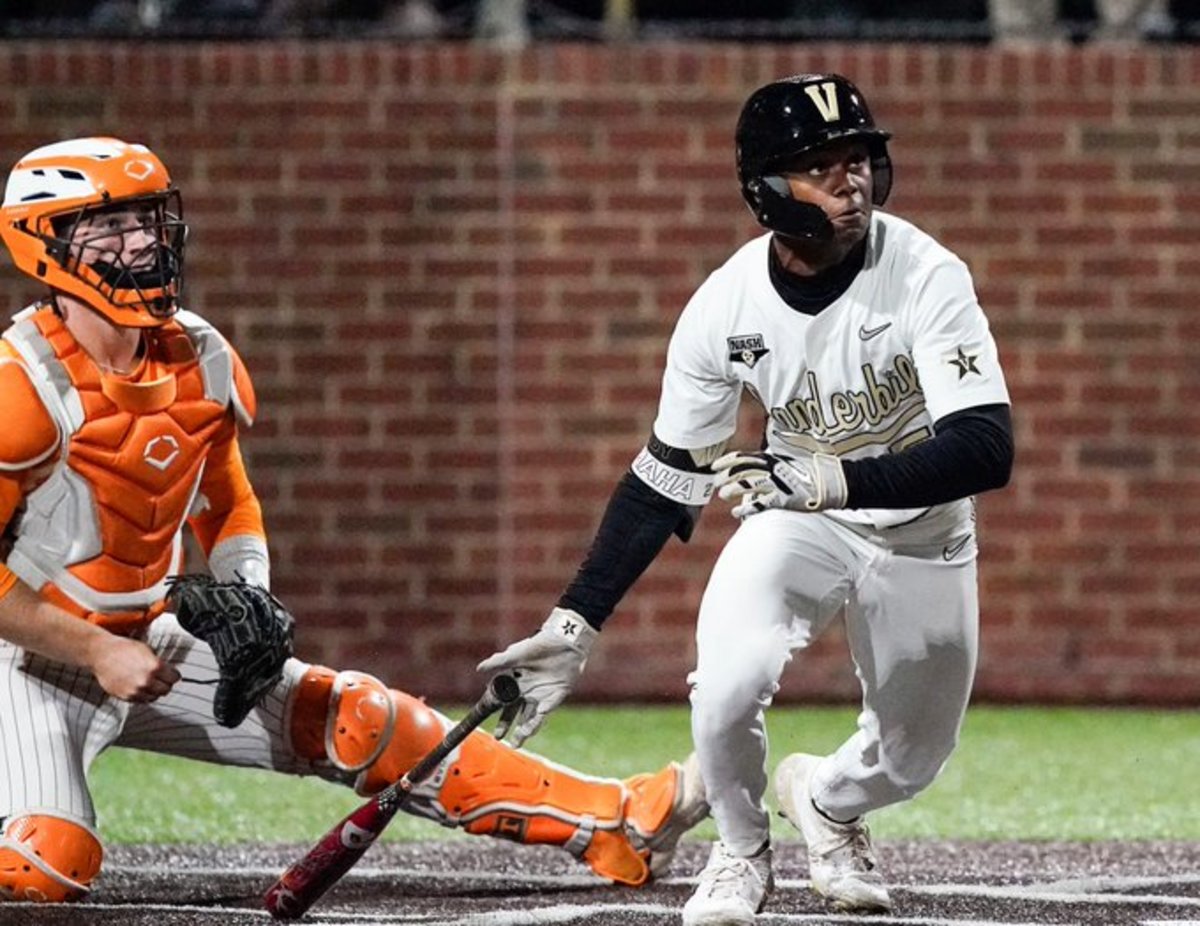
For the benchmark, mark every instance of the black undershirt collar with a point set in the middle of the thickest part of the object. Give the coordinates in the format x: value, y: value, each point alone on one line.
x: 812, y: 294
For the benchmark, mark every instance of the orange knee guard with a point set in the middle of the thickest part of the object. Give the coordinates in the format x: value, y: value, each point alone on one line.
x: 47, y: 859
x: 347, y: 718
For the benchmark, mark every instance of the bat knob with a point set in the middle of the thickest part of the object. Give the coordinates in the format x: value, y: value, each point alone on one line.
x: 505, y: 689
x: 282, y: 903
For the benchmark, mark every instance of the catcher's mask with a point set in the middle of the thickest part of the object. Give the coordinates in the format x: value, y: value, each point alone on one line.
x: 790, y: 117
x: 67, y: 203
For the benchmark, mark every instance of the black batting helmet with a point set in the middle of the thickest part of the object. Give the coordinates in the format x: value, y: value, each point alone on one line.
x: 787, y: 118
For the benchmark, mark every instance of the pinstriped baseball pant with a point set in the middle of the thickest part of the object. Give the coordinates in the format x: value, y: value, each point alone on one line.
x: 55, y: 719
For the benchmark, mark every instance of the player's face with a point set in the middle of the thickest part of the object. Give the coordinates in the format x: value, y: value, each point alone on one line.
x: 836, y: 177
x: 122, y: 237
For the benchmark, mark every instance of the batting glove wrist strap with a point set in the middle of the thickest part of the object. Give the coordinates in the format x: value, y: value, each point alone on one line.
x: 546, y: 666
x: 762, y: 480
x: 571, y: 629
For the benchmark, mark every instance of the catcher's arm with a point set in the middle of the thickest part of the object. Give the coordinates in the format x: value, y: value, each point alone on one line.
x: 125, y: 668
x: 307, y: 880
x: 228, y: 521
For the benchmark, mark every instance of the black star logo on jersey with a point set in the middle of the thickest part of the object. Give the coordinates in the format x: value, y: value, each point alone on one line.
x: 965, y: 363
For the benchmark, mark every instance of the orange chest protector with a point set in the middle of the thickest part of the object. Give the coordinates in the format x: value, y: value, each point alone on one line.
x: 102, y: 531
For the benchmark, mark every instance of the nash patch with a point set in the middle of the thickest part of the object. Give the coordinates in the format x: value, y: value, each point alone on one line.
x: 746, y: 348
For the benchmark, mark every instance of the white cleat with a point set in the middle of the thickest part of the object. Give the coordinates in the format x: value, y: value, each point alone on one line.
x: 732, y: 889
x: 841, y: 863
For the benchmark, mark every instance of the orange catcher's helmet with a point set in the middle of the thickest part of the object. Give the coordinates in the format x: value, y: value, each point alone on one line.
x: 52, y: 222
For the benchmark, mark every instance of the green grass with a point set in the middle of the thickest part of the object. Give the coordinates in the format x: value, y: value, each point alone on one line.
x: 1056, y: 773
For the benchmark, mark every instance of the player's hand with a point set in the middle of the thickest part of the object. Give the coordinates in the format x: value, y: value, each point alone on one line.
x: 129, y: 669
x: 760, y: 480
x: 546, y: 666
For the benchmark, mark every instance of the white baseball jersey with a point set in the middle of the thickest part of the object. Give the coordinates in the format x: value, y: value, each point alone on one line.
x: 905, y: 345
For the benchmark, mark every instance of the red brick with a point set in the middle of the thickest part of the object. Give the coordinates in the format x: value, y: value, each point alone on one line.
x: 368, y: 233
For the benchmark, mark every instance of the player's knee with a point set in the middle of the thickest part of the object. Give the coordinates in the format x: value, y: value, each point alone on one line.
x: 723, y: 703
x: 908, y: 776
x: 47, y: 858
x: 358, y: 724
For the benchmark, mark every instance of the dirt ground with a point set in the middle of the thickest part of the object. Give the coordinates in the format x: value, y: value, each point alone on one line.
x: 489, y: 883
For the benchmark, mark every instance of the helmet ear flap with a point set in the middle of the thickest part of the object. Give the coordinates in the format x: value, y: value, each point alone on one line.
x: 774, y: 208
x: 881, y: 173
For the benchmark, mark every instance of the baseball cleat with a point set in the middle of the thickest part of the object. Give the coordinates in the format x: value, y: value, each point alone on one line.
x: 661, y: 807
x: 732, y: 889
x: 841, y: 862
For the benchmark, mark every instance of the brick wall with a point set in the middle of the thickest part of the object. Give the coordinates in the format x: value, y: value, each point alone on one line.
x: 452, y: 274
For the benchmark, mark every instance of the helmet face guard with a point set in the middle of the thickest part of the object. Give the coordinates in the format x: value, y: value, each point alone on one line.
x: 147, y: 280
x: 790, y: 117
x: 53, y: 222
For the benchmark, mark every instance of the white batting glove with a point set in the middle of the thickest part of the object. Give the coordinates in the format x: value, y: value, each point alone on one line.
x: 546, y: 666
x: 760, y: 480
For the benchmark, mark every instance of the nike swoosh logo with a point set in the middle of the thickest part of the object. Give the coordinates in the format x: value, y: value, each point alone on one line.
x: 951, y: 551
x: 867, y: 333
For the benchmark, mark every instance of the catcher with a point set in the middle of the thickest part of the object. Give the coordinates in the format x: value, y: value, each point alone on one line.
x: 122, y: 414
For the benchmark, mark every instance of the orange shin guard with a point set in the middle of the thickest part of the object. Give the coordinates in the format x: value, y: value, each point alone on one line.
x: 47, y: 859
x: 652, y: 798
x: 484, y: 787
x: 492, y: 789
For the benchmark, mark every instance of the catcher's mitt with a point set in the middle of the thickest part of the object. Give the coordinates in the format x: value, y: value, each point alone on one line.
x: 249, y: 631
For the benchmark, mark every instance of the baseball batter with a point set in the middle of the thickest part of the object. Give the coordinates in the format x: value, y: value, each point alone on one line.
x: 886, y: 410
x: 122, y: 418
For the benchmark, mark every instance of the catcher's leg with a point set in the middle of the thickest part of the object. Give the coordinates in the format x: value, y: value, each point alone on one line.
x: 485, y: 787
x: 47, y: 858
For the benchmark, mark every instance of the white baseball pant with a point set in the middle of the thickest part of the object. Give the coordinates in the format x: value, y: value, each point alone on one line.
x: 55, y: 719
x: 911, y: 609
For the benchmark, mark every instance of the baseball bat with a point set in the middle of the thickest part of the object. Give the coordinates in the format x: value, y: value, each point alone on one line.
x: 306, y: 880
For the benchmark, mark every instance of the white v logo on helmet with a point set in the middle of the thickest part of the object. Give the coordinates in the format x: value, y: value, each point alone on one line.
x: 824, y: 97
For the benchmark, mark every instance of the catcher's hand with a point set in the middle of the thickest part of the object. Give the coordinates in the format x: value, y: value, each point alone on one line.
x: 760, y: 480
x: 546, y: 666
x: 249, y: 631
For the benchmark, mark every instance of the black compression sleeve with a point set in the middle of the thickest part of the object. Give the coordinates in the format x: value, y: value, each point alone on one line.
x: 971, y: 452
x: 636, y: 525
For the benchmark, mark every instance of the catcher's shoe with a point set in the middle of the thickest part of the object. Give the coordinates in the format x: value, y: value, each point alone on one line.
x: 732, y: 889
x: 841, y: 863
x: 661, y: 807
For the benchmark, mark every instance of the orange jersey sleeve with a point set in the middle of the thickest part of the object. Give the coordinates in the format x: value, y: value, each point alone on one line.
x: 29, y: 435
x: 10, y: 498
x: 28, y: 439
x: 230, y: 507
